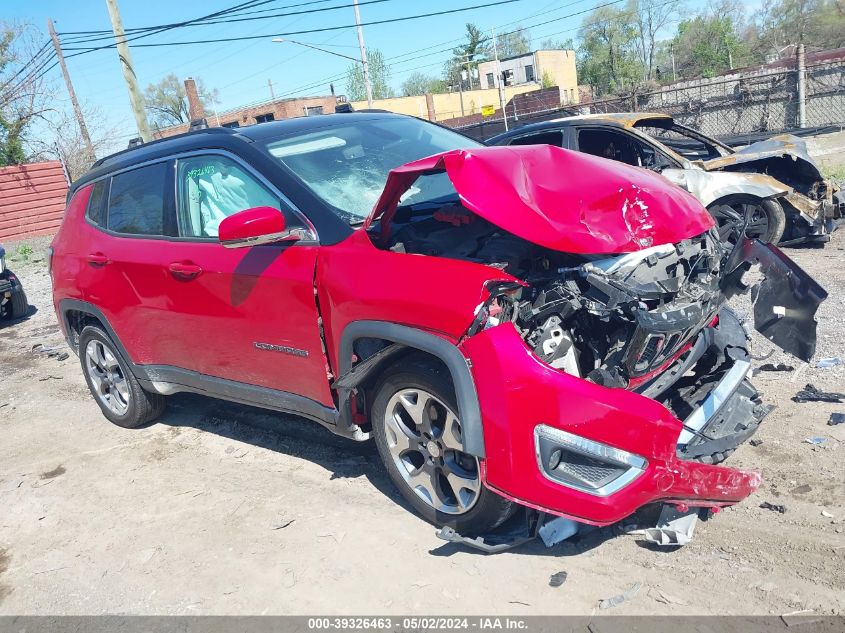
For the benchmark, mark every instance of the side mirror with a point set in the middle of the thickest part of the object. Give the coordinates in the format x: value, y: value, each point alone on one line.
x: 259, y: 225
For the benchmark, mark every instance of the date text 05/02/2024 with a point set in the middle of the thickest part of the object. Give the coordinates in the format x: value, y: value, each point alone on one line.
x: 417, y: 623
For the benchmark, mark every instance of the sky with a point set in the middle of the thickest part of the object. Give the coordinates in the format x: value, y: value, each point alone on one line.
x: 240, y: 70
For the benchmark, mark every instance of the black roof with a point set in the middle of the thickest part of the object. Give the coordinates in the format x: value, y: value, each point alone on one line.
x: 221, y: 138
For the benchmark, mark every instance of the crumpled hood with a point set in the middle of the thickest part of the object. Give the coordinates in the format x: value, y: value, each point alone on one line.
x: 559, y: 199
x: 775, y: 147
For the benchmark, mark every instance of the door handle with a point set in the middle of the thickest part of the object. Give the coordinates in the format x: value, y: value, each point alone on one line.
x: 97, y: 259
x: 185, y: 271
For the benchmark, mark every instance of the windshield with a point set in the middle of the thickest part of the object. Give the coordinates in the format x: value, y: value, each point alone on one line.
x: 347, y: 165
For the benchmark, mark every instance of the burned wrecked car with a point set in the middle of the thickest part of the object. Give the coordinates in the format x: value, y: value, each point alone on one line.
x: 773, y: 188
x: 514, y: 342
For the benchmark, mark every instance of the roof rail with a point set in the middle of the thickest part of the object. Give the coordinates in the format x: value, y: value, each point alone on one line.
x: 132, y: 147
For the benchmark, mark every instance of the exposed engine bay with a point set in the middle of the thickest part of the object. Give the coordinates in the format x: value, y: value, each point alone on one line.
x: 613, y: 320
x: 653, y: 321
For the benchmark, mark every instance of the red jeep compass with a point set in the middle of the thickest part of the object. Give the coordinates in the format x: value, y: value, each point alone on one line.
x: 514, y: 326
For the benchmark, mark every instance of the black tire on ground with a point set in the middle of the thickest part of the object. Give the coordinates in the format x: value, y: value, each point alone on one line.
x: 768, y: 223
x: 20, y: 306
x: 418, y: 372
x: 142, y: 406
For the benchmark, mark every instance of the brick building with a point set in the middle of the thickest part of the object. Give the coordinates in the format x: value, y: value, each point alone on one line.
x: 272, y: 110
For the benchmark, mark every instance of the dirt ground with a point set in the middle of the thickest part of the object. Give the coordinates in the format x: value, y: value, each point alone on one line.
x: 224, y: 509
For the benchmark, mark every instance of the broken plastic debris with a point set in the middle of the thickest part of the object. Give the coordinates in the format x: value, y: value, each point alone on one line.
x: 674, y: 528
x: 662, y: 596
x: 557, y: 579
x: 836, y: 418
x: 774, y: 507
x: 810, y: 393
x: 557, y: 530
x: 755, y: 442
x: 824, y: 363
x: 815, y: 441
x: 615, y: 601
x: 776, y: 367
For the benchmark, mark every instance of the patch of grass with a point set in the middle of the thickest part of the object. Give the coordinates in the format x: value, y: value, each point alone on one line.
x: 23, y: 253
x: 834, y: 172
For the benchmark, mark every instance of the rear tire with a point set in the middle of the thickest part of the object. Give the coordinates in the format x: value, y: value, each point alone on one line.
x: 418, y: 436
x: 115, y: 389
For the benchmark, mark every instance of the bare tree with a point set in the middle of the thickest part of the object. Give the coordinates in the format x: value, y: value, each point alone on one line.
x: 650, y: 18
x: 167, y: 101
x: 60, y: 138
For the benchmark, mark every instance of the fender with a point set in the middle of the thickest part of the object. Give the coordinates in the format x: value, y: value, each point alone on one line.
x: 709, y: 187
x: 457, y: 364
x: 66, y: 305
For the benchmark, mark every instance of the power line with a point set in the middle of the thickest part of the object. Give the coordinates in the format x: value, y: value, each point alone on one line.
x: 228, y: 20
x: 320, y: 30
x: 32, y: 59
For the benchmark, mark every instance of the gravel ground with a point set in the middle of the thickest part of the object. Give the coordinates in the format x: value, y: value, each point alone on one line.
x: 225, y: 509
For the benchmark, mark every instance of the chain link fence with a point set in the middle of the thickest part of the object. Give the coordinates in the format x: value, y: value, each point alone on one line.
x: 749, y: 104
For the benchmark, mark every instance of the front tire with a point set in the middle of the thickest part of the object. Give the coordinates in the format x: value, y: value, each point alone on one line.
x: 767, y: 220
x: 418, y: 436
x: 115, y: 389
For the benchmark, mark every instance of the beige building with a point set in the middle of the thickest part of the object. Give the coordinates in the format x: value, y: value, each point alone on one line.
x: 530, y: 69
x: 446, y: 105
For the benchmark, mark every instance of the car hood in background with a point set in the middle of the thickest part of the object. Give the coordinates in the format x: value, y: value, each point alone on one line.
x: 559, y: 199
x: 775, y: 147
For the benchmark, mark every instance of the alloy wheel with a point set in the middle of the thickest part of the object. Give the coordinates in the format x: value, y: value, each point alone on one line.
x: 110, y: 386
x: 424, y: 439
x: 731, y: 218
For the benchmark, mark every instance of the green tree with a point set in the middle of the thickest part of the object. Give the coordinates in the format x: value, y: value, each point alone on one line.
x: 551, y: 44
x: 711, y: 42
x: 419, y: 84
x: 607, y: 53
x: 817, y: 23
x: 356, y: 88
x: 167, y: 103
x: 25, y: 97
x: 513, y: 43
x: 467, y: 56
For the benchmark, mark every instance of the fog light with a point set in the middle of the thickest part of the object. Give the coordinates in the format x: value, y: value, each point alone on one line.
x: 582, y: 464
x: 554, y: 460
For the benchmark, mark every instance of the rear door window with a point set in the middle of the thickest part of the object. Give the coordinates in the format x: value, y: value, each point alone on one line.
x: 137, y: 201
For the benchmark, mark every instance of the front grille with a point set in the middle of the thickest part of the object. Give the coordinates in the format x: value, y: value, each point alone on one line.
x: 660, y: 335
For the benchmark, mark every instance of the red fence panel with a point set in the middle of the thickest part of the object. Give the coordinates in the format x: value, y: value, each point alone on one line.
x: 32, y: 199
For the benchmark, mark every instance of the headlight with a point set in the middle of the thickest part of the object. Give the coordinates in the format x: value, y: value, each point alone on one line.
x: 586, y: 465
x: 2, y: 264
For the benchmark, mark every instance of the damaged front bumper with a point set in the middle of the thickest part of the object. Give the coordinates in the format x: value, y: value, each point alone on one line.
x: 566, y: 446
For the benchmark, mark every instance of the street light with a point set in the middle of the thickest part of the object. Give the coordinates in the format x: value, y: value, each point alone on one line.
x: 280, y: 40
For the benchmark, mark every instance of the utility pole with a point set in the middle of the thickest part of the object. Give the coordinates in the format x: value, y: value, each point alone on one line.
x: 674, y: 74
x: 135, y: 97
x: 802, y: 86
x: 363, y: 55
x: 83, y: 129
x: 499, y: 78
x: 272, y: 94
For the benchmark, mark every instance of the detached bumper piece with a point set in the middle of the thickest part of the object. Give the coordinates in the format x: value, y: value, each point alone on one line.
x: 569, y: 447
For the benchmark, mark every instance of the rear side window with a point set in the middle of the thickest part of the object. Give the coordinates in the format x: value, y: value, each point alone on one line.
x: 97, y: 203
x: 137, y: 199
